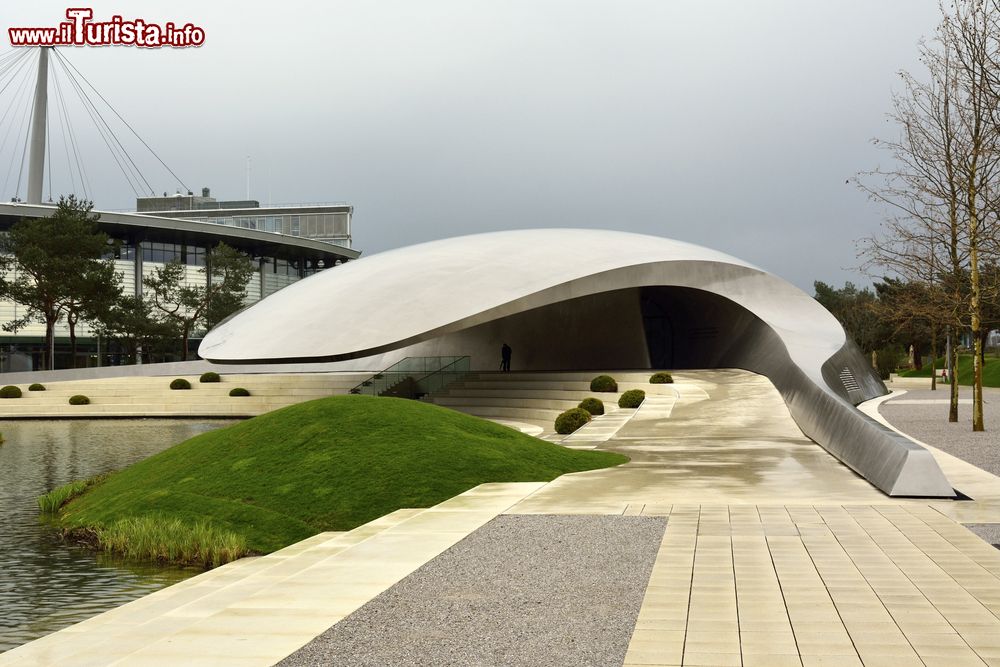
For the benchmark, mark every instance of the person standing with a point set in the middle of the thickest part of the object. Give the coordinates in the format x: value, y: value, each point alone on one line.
x: 505, y: 352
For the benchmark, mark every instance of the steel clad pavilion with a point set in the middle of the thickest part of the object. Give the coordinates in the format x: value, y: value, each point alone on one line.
x: 576, y: 299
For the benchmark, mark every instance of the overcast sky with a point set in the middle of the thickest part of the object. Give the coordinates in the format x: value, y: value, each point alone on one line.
x: 730, y: 124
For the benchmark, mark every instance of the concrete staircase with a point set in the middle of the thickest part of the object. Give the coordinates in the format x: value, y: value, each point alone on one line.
x: 256, y: 611
x: 152, y: 397
x: 536, y: 398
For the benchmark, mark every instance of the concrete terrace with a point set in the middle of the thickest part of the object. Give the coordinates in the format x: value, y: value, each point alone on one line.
x: 152, y: 397
x: 774, y: 553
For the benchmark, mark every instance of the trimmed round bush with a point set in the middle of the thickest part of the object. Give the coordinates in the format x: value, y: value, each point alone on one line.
x: 37, y: 387
x: 632, y: 398
x: 594, y: 406
x: 571, y: 420
x: 603, y: 383
x: 79, y: 399
x: 210, y: 376
x: 180, y: 383
x: 661, y: 378
x: 10, y: 391
x: 238, y: 391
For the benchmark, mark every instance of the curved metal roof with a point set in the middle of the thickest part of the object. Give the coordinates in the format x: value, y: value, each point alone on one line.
x: 398, y: 297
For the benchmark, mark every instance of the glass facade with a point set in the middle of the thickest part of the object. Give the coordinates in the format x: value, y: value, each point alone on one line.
x: 331, y: 227
x: 162, y: 253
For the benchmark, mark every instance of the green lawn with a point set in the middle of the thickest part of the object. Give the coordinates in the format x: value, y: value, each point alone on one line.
x: 329, y: 464
x: 991, y: 370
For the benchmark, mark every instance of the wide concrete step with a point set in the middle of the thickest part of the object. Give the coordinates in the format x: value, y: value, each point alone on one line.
x: 496, y: 412
x: 512, y: 385
x: 514, y: 402
x: 473, y: 391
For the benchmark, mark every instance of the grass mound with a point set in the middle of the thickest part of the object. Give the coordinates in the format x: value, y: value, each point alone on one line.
x: 328, y: 464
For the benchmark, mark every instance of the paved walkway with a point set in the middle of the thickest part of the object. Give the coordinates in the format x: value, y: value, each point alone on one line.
x: 788, y: 557
x: 818, y: 585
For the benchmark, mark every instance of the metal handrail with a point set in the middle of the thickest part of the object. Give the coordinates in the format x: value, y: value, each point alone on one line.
x: 413, y: 369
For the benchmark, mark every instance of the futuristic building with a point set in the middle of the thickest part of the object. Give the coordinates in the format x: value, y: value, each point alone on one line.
x: 568, y: 299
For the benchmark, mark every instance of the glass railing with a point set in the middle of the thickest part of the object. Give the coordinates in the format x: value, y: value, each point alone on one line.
x: 414, y: 377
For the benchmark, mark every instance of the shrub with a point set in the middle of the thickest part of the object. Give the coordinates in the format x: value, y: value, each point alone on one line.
x: 238, y: 391
x: 594, y: 406
x: 661, y: 378
x: 887, y: 359
x: 79, y: 399
x: 210, y: 376
x: 632, y: 398
x: 571, y: 420
x: 180, y: 383
x: 603, y: 383
x: 10, y: 391
x: 37, y: 387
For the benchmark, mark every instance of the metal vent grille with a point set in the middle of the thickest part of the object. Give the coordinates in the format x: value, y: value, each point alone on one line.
x: 849, y: 381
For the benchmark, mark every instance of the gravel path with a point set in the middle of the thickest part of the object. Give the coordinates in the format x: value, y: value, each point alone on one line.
x: 522, y: 590
x: 924, y: 414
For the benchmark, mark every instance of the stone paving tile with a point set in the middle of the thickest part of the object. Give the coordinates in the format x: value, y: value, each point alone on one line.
x: 874, y: 585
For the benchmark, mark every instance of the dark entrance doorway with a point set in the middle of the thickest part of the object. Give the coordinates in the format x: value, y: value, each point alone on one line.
x: 658, y: 326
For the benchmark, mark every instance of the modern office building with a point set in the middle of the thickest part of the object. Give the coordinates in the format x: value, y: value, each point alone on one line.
x: 287, y: 243
x: 323, y: 222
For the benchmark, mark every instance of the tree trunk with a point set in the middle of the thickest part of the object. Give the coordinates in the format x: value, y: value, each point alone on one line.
x: 71, y: 321
x: 185, y: 332
x: 977, y: 341
x: 933, y: 359
x: 953, y: 362
x: 50, y: 343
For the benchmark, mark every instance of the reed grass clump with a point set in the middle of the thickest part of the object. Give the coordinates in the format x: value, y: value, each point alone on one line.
x: 159, y: 539
x: 52, y: 502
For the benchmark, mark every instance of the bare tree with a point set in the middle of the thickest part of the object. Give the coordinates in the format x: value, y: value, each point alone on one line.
x: 944, y: 189
x: 923, y: 239
x: 970, y: 29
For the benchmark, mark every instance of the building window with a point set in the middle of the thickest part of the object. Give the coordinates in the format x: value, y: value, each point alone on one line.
x: 162, y: 252
x: 124, y: 250
x: 194, y: 255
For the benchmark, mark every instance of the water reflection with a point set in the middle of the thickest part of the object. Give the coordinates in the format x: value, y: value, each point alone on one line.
x: 45, y: 584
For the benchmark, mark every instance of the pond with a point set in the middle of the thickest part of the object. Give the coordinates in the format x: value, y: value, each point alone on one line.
x: 46, y: 584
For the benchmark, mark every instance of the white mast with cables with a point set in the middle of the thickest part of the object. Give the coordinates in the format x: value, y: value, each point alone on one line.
x: 36, y: 158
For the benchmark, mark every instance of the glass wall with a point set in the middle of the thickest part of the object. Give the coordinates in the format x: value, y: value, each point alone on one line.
x: 161, y: 253
x: 332, y: 227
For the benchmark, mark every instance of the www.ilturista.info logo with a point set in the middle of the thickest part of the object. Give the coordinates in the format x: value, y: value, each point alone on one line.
x: 81, y: 30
